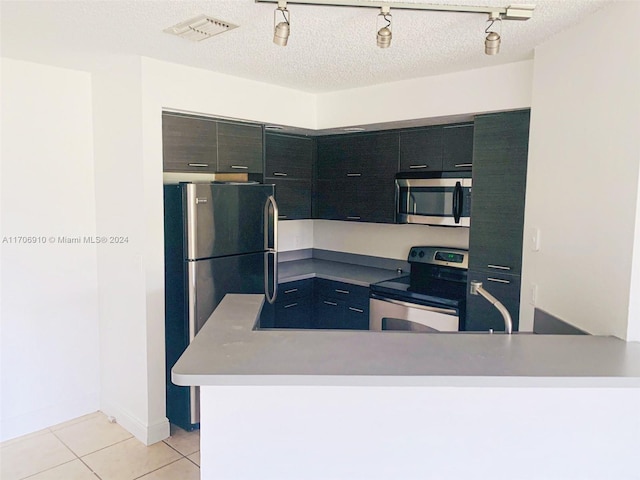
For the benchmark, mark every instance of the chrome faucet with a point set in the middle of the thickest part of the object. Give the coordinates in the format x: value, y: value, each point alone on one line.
x: 477, y: 289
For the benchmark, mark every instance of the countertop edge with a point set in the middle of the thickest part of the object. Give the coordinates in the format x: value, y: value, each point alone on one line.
x: 228, y: 338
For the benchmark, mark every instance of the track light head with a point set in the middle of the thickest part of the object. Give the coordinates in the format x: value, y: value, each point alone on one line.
x: 383, y: 38
x: 492, y: 40
x: 492, y: 44
x: 282, y: 29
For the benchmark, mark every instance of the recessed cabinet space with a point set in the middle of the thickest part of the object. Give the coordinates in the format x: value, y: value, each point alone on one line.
x: 289, y: 166
x: 208, y: 145
x: 189, y: 144
x: 355, y: 177
x: 500, y: 151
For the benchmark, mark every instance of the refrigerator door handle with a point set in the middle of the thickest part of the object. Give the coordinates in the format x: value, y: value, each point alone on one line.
x: 271, y: 201
x: 271, y: 249
x: 267, y: 270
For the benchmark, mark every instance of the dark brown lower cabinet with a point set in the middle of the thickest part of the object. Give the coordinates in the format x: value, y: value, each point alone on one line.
x: 482, y: 316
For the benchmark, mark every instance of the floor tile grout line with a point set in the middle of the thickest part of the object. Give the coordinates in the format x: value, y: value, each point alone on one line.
x: 173, y: 448
x: 159, y: 468
x: 47, y: 469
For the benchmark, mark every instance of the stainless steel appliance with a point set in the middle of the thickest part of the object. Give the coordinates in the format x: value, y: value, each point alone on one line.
x: 432, y: 298
x: 219, y: 238
x: 434, y: 198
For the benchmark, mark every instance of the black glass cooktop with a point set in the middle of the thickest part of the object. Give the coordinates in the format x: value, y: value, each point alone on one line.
x: 434, y: 292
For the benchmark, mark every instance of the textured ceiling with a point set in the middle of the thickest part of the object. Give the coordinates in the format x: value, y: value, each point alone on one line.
x: 330, y: 48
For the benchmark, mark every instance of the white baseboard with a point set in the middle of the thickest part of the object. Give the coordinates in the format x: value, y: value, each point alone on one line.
x: 147, y: 434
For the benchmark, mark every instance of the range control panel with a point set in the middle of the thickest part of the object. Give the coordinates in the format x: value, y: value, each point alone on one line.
x: 440, y: 256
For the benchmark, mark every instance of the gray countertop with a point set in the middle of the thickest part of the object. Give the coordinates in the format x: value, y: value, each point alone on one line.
x: 228, y: 351
x: 330, y: 270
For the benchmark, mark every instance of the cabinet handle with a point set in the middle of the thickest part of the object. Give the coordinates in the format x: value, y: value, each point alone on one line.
x: 240, y: 167
x: 354, y: 309
x: 353, y: 218
x: 463, y: 165
x: 291, y: 305
x: 418, y: 166
x: 342, y: 291
x: 204, y: 165
x: 497, y: 280
x: 279, y: 174
x: 333, y: 304
x: 282, y: 217
x: 499, y: 267
x: 354, y: 174
x: 291, y: 290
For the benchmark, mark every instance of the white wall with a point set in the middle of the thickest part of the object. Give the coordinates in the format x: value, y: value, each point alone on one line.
x: 443, y: 433
x: 131, y: 303
x: 582, y: 185
x: 49, y: 346
x: 503, y: 87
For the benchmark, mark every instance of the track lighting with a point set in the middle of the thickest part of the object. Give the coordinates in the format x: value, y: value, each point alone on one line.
x: 384, y: 33
x: 383, y: 37
x: 492, y: 41
x: 281, y: 30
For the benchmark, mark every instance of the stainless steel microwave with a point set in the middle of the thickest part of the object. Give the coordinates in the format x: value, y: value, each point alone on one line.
x: 434, y: 198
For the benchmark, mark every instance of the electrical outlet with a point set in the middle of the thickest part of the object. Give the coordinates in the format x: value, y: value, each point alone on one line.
x: 535, y: 239
x: 533, y: 294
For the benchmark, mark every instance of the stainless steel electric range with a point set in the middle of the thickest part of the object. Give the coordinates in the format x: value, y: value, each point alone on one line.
x: 432, y: 298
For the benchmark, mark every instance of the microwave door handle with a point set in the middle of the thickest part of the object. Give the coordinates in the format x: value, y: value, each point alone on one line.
x: 414, y: 205
x: 457, y: 202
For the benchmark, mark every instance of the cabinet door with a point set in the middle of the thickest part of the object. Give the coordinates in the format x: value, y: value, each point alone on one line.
x: 293, y: 314
x: 288, y: 156
x: 356, y: 317
x: 457, y: 147
x: 239, y: 148
x: 497, y: 202
x: 293, y: 197
x: 482, y: 315
x: 421, y: 149
x: 188, y: 144
x: 329, y: 313
x: 358, y: 156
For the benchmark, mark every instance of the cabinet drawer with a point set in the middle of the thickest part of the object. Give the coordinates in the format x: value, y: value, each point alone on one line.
x: 343, y: 292
x: 290, y: 291
x: 482, y: 315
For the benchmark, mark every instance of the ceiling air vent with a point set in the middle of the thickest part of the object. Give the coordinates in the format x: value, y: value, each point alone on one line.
x: 200, y: 28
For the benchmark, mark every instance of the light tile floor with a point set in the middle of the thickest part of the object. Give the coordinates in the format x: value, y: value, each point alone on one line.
x: 91, y: 448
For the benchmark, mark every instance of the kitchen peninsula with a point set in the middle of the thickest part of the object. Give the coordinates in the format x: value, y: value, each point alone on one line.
x: 357, y: 404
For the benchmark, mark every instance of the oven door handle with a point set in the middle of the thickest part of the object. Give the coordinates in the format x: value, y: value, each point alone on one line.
x: 446, y: 311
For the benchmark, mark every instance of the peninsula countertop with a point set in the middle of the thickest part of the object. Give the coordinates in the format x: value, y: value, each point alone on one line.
x: 228, y: 350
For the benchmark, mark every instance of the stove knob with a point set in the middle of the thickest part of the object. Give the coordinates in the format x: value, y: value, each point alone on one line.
x: 421, y: 254
x: 413, y: 253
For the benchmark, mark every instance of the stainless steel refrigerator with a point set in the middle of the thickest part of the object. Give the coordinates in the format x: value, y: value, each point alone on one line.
x: 219, y: 238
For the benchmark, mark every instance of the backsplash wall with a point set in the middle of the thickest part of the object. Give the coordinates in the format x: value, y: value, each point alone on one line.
x: 374, y: 239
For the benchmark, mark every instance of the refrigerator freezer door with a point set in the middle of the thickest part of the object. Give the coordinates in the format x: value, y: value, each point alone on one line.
x: 225, y: 219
